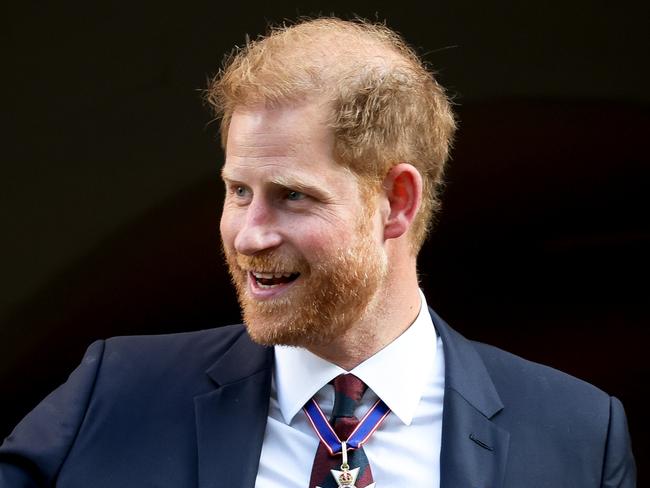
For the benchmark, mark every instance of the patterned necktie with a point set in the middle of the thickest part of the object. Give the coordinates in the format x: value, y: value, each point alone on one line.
x: 348, y: 390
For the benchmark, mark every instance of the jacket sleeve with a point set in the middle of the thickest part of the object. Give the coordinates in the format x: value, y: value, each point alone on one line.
x: 34, y: 452
x: 619, y: 470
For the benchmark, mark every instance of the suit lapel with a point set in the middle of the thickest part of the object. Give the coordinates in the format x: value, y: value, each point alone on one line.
x: 231, y: 420
x: 474, y: 449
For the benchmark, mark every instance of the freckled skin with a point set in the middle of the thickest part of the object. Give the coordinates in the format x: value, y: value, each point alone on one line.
x: 263, y: 145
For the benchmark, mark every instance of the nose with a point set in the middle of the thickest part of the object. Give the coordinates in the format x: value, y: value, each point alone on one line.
x: 258, y: 231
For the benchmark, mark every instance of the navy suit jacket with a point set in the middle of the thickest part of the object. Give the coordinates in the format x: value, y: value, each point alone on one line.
x: 189, y: 410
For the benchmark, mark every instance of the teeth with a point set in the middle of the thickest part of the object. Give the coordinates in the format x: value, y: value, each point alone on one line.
x: 264, y: 276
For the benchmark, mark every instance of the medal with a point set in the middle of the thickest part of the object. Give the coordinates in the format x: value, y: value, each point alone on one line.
x: 346, y: 477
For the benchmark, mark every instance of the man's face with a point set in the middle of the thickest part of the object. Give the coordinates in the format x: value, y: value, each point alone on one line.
x: 302, y: 246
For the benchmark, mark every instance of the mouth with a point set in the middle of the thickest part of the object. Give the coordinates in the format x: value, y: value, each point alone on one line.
x: 267, y: 282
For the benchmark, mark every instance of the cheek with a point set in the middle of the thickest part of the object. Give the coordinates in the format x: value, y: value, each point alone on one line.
x: 228, y: 229
x: 319, y: 242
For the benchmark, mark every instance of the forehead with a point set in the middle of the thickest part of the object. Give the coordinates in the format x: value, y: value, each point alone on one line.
x: 289, y: 124
x: 285, y: 139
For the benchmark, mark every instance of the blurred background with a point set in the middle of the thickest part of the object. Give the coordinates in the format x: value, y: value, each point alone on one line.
x: 110, y: 195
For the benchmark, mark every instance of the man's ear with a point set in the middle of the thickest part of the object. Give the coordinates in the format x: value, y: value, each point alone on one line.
x: 403, y: 189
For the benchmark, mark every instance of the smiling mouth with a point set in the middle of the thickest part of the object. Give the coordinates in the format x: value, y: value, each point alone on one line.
x: 270, y: 280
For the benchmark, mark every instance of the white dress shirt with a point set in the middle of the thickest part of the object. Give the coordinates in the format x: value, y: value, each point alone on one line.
x: 408, y: 375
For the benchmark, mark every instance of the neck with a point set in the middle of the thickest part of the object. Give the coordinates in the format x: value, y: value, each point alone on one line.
x: 393, y: 309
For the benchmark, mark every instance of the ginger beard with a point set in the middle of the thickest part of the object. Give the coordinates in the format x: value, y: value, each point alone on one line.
x: 327, y: 298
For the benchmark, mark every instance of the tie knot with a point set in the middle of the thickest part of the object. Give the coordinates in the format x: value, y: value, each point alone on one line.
x: 348, y: 390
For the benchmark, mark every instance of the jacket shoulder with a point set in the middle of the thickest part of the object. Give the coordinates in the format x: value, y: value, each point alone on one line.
x: 531, y: 379
x: 551, y: 412
x: 544, y: 404
x: 209, y: 343
x: 158, y: 359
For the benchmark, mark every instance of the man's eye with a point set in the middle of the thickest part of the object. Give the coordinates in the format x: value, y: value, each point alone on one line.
x: 240, y: 191
x: 295, y: 195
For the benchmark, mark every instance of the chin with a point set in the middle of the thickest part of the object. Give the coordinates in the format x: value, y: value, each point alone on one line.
x: 289, y: 325
x: 307, y: 320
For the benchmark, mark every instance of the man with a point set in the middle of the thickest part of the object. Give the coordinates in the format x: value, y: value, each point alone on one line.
x: 335, y: 138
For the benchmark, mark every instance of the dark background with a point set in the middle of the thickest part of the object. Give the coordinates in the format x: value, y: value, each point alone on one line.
x: 110, y: 197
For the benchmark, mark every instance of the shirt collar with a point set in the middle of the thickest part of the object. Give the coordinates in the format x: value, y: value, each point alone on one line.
x: 397, y: 374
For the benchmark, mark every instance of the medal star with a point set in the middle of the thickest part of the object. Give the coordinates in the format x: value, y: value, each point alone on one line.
x: 349, y: 480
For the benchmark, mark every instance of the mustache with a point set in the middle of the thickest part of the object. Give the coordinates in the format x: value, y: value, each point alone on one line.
x: 270, y: 262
